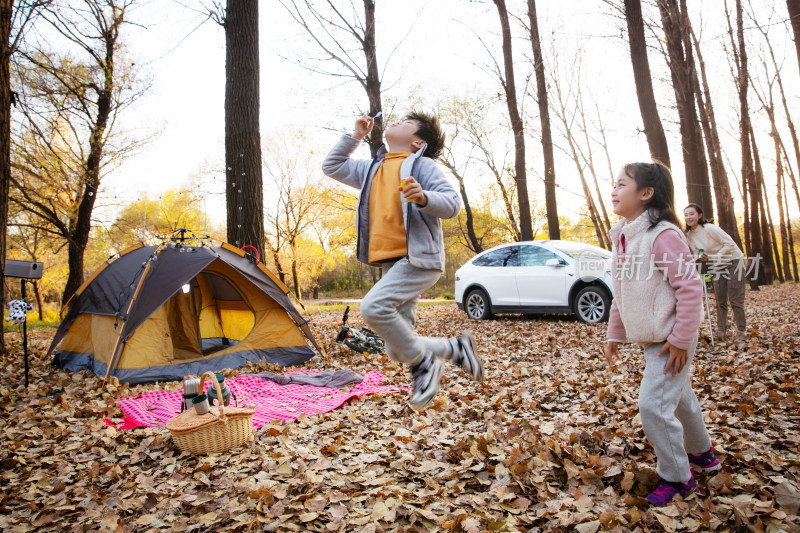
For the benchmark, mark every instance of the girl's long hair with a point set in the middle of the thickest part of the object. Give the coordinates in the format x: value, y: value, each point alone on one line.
x: 702, y: 220
x: 656, y: 175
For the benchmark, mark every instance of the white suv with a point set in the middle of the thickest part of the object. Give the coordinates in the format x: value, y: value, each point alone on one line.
x: 537, y: 277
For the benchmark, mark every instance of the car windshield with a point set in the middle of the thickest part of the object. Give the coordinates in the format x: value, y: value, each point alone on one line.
x: 583, y: 252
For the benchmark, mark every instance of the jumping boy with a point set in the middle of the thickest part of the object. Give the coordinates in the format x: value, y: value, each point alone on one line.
x: 398, y: 228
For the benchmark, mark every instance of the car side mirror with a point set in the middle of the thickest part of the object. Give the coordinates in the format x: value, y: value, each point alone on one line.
x: 553, y: 262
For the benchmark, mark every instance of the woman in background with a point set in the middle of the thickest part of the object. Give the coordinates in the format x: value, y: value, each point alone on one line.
x: 726, y: 266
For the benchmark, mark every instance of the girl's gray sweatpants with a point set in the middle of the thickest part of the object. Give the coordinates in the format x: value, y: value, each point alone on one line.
x: 671, y: 415
x: 389, y: 309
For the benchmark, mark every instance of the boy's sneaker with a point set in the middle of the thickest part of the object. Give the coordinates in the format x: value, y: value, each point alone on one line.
x: 426, y: 373
x: 667, y: 490
x: 706, y: 462
x: 465, y: 355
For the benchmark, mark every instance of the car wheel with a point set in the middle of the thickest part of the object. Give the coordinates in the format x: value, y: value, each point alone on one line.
x: 592, y: 305
x: 477, y: 305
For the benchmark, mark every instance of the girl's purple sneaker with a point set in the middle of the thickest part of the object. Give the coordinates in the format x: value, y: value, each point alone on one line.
x: 706, y: 462
x: 667, y: 490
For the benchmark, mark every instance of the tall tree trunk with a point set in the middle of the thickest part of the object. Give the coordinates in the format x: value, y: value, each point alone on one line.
x: 797, y: 156
x: 750, y: 189
x: 6, y: 14
x: 79, y: 237
x: 373, y: 80
x: 764, y: 221
x: 599, y: 230
x: 275, y: 251
x: 295, y: 278
x: 544, y: 117
x: 509, y: 86
x: 768, y: 229
x: 594, y: 216
x: 773, y: 238
x: 653, y: 129
x: 244, y: 198
x: 39, y: 303
x: 794, y: 16
x: 512, y: 220
x: 787, y: 270
x: 726, y: 215
x: 680, y: 58
x: 472, y: 239
x: 746, y: 226
x: 796, y: 275
x: 788, y: 116
x: 776, y: 255
x: 75, y: 265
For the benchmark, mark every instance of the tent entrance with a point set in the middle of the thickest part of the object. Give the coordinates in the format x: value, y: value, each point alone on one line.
x: 224, y: 315
x: 208, y: 315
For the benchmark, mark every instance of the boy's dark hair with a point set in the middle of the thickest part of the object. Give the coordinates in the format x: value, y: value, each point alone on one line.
x: 429, y: 131
x: 702, y: 220
x: 656, y: 175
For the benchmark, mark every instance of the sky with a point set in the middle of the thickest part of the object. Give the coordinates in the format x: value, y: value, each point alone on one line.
x: 433, y: 50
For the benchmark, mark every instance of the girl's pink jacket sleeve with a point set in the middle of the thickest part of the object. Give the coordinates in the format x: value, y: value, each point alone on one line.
x: 675, y: 259
x: 616, y: 329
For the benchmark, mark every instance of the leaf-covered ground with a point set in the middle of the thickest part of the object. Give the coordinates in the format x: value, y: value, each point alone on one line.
x: 550, y: 442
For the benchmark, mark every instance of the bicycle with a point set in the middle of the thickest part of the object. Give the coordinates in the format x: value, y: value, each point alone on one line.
x: 361, y: 340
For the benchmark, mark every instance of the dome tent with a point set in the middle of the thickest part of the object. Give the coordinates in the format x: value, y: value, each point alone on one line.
x: 161, y: 313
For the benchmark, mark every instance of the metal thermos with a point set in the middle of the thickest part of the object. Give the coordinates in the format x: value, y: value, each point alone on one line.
x: 191, y: 388
x: 226, y: 392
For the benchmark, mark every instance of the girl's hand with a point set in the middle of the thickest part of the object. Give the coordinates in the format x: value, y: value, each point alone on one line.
x: 413, y: 191
x: 363, y: 127
x: 677, y: 358
x: 612, y: 352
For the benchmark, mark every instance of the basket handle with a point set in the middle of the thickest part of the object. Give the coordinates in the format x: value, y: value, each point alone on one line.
x: 213, y: 380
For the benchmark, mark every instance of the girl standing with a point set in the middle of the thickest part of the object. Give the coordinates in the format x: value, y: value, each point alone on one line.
x: 658, y: 304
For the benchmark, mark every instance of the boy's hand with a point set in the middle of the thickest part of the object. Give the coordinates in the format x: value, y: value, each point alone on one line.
x: 677, y: 358
x: 363, y: 127
x: 612, y: 352
x: 413, y: 191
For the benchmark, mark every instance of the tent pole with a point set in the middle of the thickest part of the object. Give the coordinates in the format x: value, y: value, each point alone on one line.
x: 47, y: 343
x: 310, y: 323
x: 127, y: 313
x: 319, y: 343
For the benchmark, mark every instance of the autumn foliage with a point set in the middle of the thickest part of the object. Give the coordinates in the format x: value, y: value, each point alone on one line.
x: 551, y: 441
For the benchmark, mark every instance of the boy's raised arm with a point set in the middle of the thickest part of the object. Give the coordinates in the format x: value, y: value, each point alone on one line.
x: 443, y: 200
x: 338, y: 164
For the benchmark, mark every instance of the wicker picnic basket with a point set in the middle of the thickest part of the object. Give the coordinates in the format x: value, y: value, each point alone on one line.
x: 221, y: 429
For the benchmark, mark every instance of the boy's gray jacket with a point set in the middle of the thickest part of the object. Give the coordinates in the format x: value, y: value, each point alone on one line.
x: 424, y: 239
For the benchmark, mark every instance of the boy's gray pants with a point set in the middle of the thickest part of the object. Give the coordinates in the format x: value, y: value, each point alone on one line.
x: 671, y: 415
x: 389, y: 310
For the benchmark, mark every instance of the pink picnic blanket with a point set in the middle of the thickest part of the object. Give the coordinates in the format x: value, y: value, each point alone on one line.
x: 272, y: 401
